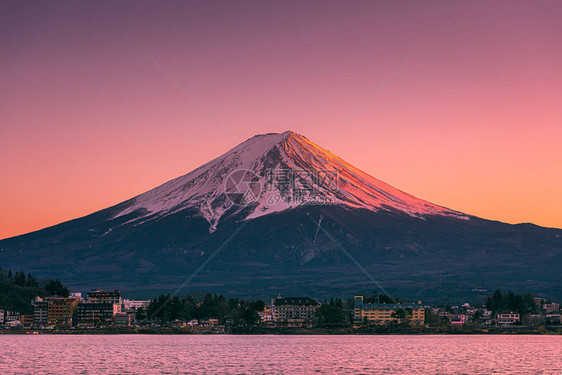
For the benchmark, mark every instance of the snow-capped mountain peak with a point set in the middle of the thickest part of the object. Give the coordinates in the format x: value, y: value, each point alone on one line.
x: 271, y: 173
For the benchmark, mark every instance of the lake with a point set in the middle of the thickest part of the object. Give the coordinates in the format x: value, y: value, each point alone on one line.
x: 277, y: 354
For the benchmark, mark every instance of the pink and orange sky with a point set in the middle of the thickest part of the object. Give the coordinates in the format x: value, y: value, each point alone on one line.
x: 473, y: 121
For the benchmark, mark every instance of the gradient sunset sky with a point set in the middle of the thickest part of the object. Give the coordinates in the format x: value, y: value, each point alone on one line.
x: 467, y: 111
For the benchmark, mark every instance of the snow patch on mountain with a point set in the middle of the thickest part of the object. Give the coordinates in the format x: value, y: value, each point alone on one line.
x: 292, y: 172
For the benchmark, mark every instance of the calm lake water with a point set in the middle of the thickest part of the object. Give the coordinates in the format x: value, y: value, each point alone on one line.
x: 228, y: 354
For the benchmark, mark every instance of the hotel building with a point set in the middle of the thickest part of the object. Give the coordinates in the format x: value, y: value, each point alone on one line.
x: 60, y: 310
x: 294, y: 311
x: 104, y: 296
x: 384, y: 313
x: 40, y: 311
x: 94, y: 314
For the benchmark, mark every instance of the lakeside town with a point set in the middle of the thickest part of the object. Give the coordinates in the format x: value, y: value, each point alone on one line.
x: 54, y: 309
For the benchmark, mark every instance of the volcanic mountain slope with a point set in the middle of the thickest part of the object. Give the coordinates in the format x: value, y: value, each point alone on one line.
x: 287, y: 171
x: 279, y: 214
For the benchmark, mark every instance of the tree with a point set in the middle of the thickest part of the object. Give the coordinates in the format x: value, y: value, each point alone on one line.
x: 233, y: 303
x: 435, y: 320
x: 55, y: 288
x: 381, y: 298
x: 505, y: 302
x: 170, y: 307
x: 31, y: 282
x: 18, y: 290
x: 497, y: 303
x: 140, y: 314
x: 19, y: 278
x: 251, y: 316
x: 331, y: 315
x: 258, y: 305
x: 399, y: 314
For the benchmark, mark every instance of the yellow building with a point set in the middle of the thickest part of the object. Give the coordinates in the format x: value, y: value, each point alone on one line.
x: 384, y: 313
x: 60, y: 310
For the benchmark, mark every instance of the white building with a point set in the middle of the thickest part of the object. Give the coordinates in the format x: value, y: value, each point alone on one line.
x: 132, y: 304
x: 40, y: 311
x: 551, y: 307
x: 13, y: 323
x: 294, y: 310
x: 11, y: 316
x: 509, y: 318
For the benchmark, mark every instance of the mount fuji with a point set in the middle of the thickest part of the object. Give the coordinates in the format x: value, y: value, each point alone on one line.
x: 280, y: 214
x: 284, y: 171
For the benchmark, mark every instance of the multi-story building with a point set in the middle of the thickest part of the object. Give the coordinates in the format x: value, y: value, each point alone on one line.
x: 131, y: 304
x: 60, y: 310
x: 94, y: 314
x: 40, y: 311
x: 294, y: 311
x: 508, y: 318
x: 11, y: 316
x: 104, y: 296
x: 2, y: 316
x: 27, y: 320
x: 551, y: 307
x: 123, y: 319
x: 384, y: 313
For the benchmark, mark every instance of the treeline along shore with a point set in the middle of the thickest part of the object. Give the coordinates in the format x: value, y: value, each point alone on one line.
x: 32, y: 306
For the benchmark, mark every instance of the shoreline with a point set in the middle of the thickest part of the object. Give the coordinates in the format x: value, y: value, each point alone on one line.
x: 548, y: 331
